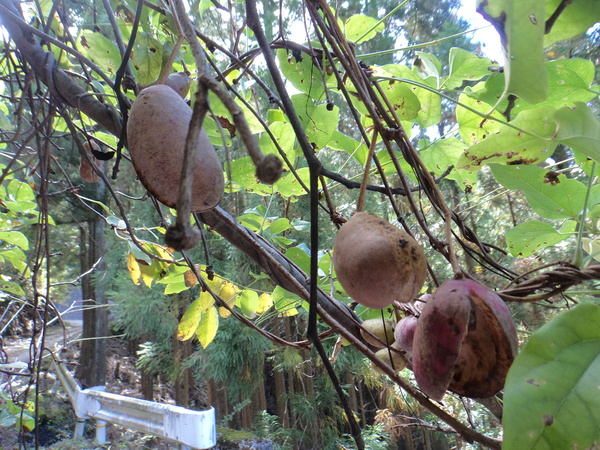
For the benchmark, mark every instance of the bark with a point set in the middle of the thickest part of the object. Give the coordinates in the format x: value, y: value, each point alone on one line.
x: 63, y: 87
x: 91, y: 370
x: 280, y: 394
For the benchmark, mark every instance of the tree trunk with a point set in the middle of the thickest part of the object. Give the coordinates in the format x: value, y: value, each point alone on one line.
x: 280, y: 395
x: 92, y: 359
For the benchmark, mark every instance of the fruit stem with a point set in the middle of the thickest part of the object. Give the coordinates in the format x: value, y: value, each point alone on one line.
x: 363, y: 185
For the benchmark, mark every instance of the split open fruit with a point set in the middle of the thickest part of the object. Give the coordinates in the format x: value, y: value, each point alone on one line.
x: 465, y: 341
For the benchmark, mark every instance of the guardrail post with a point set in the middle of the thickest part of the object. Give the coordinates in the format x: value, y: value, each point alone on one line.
x: 100, y: 424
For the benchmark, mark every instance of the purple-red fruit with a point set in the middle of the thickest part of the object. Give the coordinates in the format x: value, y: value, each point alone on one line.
x: 377, y: 263
x: 404, y: 333
x: 465, y: 341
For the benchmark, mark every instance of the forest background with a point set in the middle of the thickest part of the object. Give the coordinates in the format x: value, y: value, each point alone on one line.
x: 492, y: 168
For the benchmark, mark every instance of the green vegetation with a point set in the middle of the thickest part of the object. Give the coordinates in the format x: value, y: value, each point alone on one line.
x: 383, y: 107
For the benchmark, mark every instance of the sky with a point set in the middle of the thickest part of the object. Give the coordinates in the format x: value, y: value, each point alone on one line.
x: 487, y: 36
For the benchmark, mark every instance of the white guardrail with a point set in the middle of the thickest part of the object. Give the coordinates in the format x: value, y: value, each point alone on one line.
x: 196, y: 429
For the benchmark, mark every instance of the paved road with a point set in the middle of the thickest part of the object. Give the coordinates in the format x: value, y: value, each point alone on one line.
x: 18, y: 349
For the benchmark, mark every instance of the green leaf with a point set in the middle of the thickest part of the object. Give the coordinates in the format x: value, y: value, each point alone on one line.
x: 354, y: 148
x: 221, y: 113
x: 474, y: 127
x: 176, y: 287
x: 521, y: 25
x: 427, y: 66
x: 285, y: 137
x: 360, y: 28
x: 304, y: 74
x: 400, y: 94
x: 431, y: 105
x: 591, y: 247
x: 243, y: 174
x: 564, y: 199
x: 299, y: 257
x: 285, y: 301
x: 14, y: 238
x: 510, y: 145
x: 529, y: 237
x: 190, y: 320
x: 147, y: 58
x: 280, y: 225
x: 100, y: 50
x: 444, y: 153
x: 288, y: 185
x: 20, y: 191
x: 248, y: 302
x: 551, y: 396
x: 569, y: 82
x: 465, y: 65
x: 319, y: 121
x: 16, y: 257
x: 11, y: 287
x: 209, y: 324
x: 579, y: 128
x: 429, y: 101
x: 575, y: 19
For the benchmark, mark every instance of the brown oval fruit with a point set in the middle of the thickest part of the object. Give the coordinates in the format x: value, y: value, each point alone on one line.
x: 179, y: 82
x: 377, y: 263
x: 382, y: 329
x: 465, y: 341
x: 156, y: 132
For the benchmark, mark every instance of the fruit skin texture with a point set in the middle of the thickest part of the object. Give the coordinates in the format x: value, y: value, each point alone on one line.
x: 179, y: 82
x: 465, y: 341
x: 377, y: 263
x: 156, y: 132
x: 383, y: 329
x: 404, y: 333
x: 392, y: 358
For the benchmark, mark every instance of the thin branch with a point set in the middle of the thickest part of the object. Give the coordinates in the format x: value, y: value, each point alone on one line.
x: 556, y: 14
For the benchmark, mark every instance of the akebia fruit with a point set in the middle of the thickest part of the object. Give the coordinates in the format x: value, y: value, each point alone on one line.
x: 391, y: 356
x: 179, y: 82
x: 377, y: 263
x: 378, y: 332
x: 156, y: 133
x: 404, y: 333
x: 465, y: 341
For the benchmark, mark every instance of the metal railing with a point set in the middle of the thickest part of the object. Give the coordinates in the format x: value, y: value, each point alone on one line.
x: 196, y: 429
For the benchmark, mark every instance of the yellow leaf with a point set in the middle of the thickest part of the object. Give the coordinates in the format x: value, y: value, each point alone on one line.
x: 215, y: 284
x: 289, y: 312
x: 158, y: 250
x: 206, y: 301
x: 224, y: 312
x: 190, y: 320
x: 148, y: 274
x: 134, y: 269
x: 228, y: 293
x: 265, y: 301
x: 207, y: 330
